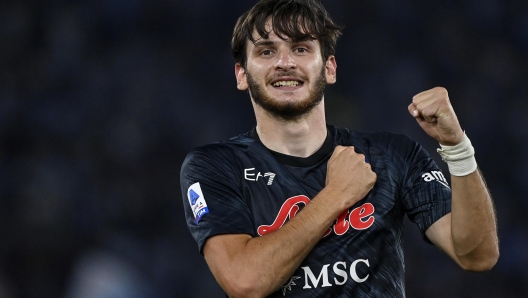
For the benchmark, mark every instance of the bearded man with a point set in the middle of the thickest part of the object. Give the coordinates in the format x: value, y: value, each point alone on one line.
x: 299, y: 208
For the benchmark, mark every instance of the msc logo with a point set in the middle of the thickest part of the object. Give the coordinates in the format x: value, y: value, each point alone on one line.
x: 249, y: 174
x: 340, y: 269
x: 435, y: 176
x: 340, y: 275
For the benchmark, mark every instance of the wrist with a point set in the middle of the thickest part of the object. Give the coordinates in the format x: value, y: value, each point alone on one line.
x: 460, y: 158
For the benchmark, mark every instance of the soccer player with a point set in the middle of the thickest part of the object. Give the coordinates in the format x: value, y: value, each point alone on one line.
x: 299, y: 208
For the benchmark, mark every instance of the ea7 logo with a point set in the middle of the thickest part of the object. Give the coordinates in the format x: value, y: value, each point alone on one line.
x: 435, y: 176
x: 250, y: 173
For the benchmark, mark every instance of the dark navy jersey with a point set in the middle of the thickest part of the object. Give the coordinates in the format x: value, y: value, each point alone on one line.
x: 240, y: 186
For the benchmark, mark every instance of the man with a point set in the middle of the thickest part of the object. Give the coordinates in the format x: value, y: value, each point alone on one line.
x: 299, y: 208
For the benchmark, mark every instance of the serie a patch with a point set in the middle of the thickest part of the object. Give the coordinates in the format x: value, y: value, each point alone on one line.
x: 197, y: 201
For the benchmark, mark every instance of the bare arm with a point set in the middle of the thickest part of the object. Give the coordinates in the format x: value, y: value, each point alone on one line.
x: 469, y: 233
x: 255, y: 267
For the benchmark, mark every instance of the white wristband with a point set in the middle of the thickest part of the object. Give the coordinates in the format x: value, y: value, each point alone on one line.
x: 460, y: 158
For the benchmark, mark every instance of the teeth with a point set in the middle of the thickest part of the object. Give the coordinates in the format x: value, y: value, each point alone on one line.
x: 286, y: 84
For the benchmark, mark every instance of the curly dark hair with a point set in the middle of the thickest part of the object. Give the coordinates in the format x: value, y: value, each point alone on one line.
x: 296, y: 20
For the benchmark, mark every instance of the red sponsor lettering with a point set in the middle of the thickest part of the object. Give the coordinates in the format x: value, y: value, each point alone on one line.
x: 359, y: 218
x: 358, y: 214
x: 288, y: 210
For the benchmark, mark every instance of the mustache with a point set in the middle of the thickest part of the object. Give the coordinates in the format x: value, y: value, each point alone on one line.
x: 288, y: 73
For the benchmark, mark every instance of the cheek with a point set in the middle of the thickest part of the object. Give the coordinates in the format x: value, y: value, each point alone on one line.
x: 256, y: 71
x: 262, y: 69
x: 317, y: 69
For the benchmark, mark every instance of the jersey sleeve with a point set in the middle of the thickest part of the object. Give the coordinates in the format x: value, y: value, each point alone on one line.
x: 212, y: 197
x: 426, y: 193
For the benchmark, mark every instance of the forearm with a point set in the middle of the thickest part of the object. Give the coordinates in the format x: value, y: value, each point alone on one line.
x: 473, y: 225
x: 263, y: 264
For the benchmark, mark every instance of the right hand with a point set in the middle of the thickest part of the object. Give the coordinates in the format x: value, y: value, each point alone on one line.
x: 349, y: 175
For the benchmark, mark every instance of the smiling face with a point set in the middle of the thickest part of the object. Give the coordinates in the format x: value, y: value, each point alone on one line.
x: 285, y: 78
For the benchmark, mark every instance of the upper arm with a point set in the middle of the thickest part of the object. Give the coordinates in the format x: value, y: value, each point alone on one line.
x: 220, y: 252
x: 470, y: 238
x: 439, y: 233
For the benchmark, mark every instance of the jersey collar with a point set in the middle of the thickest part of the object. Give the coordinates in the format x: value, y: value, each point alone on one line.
x: 326, y: 149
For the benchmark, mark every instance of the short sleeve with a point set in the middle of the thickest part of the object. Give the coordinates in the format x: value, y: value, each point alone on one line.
x: 427, y: 195
x: 212, y: 197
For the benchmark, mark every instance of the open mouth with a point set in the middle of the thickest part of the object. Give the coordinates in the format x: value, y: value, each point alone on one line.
x: 290, y: 83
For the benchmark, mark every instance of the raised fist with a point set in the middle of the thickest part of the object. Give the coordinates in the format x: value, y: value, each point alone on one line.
x: 434, y: 113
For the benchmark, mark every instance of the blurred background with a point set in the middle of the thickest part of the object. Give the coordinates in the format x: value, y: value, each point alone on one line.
x: 100, y: 101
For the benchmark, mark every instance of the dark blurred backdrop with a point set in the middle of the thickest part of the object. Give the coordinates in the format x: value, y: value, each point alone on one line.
x: 101, y: 100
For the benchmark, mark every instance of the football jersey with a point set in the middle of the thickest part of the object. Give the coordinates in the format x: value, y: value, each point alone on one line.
x: 240, y: 186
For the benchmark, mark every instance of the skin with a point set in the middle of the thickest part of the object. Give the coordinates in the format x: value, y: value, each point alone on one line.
x: 256, y: 267
x: 469, y: 233
x: 303, y: 135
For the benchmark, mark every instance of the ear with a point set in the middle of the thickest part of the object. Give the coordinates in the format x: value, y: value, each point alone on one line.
x: 330, y: 70
x: 241, y: 77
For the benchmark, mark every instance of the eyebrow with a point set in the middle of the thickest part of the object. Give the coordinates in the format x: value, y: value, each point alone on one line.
x: 264, y: 42
x: 260, y: 43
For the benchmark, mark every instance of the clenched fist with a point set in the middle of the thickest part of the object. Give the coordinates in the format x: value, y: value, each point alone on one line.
x: 349, y: 174
x: 434, y: 113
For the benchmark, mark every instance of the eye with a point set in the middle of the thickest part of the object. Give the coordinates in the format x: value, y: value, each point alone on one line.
x: 301, y: 50
x: 266, y: 52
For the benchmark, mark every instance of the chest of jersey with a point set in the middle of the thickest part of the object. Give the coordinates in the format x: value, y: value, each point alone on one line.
x: 275, y: 193
x: 254, y: 191
x: 349, y: 250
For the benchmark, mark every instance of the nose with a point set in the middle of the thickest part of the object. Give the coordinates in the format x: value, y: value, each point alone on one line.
x: 285, y: 60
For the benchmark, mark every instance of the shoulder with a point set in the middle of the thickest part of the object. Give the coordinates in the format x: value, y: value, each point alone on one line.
x: 223, y: 154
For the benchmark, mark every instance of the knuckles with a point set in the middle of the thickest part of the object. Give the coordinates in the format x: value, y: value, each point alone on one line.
x: 441, y: 91
x: 438, y: 93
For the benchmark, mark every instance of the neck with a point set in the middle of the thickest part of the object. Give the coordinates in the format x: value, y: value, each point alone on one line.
x: 300, y: 137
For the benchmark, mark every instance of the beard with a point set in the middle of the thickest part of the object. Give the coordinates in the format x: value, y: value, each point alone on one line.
x: 288, y: 110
